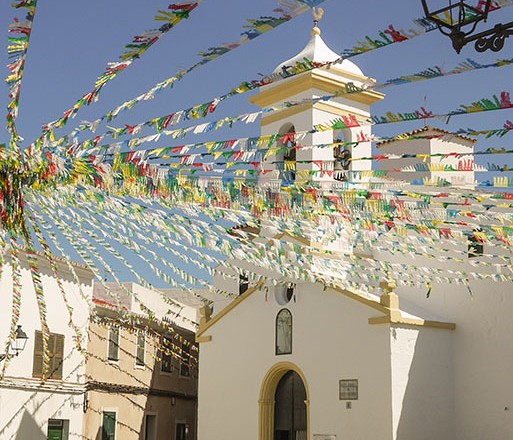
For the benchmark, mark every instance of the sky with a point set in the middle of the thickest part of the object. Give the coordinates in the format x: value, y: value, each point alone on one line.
x: 72, y: 42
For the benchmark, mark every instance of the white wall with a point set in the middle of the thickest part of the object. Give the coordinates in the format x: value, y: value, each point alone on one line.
x: 422, y: 383
x: 429, y: 146
x: 482, y: 343
x: 483, y: 354
x: 332, y: 341
x: 25, y: 406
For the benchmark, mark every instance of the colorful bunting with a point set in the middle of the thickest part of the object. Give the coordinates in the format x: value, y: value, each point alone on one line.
x: 17, y: 50
x: 288, y: 10
x: 140, y: 44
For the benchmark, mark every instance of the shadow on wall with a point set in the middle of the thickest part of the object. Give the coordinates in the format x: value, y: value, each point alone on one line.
x: 28, y: 429
x: 428, y: 394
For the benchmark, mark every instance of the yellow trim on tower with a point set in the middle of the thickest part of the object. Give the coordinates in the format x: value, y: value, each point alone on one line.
x: 201, y: 339
x: 323, y: 106
x: 311, y: 80
x: 284, y: 114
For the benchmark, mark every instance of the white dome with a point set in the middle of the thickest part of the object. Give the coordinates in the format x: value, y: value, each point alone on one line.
x: 317, y: 50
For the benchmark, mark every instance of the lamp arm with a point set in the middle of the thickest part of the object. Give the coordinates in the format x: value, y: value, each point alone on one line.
x: 2, y: 356
x: 441, y: 29
x: 473, y: 29
x: 498, y: 29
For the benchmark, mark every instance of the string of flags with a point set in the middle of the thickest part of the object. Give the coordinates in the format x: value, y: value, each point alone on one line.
x: 133, y: 51
x: 288, y: 10
x: 202, y: 110
x: 57, y: 190
x: 346, y: 121
x: 17, y: 50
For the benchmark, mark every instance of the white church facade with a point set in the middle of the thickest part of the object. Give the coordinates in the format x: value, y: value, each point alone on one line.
x: 323, y: 364
x: 300, y: 360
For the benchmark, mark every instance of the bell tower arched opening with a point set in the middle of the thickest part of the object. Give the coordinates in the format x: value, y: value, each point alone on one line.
x: 286, y: 155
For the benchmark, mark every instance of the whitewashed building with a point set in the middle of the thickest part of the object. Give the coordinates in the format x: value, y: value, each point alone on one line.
x: 430, y: 155
x: 53, y: 409
x: 148, y: 389
x: 296, y: 359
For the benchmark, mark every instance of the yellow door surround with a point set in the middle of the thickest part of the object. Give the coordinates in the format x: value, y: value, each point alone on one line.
x: 267, y: 395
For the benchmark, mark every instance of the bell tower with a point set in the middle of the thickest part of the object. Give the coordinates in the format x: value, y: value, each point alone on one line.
x: 304, y: 155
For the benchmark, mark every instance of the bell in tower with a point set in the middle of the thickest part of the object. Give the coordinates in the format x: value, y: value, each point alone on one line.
x: 321, y: 155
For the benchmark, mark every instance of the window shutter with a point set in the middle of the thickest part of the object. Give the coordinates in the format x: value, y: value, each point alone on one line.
x: 37, y: 367
x: 56, y: 352
x: 166, y: 357
x: 185, y: 359
x: 113, y: 354
x: 57, y: 356
x: 139, y: 359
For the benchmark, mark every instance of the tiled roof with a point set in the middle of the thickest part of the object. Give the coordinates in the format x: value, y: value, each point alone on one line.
x: 419, y: 131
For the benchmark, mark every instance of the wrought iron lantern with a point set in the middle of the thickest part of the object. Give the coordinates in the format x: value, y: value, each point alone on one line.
x: 19, y: 343
x: 459, y: 20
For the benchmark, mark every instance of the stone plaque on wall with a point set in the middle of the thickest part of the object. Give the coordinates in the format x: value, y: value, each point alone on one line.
x: 324, y: 437
x: 348, y: 389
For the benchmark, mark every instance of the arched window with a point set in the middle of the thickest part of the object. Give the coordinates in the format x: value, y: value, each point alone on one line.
x: 475, y: 243
x: 342, y: 157
x: 286, y: 157
x: 284, y: 332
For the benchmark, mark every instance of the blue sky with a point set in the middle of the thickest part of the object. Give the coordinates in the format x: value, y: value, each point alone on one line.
x: 73, y: 41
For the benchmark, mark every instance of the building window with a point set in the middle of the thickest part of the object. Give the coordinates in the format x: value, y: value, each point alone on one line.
x: 56, y: 353
x: 284, y: 293
x: 475, y: 245
x: 185, y: 369
x: 182, y: 431
x: 109, y: 425
x: 113, y: 354
x: 58, y: 429
x: 150, y: 427
x: 286, y: 157
x: 243, y: 284
x: 284, y: 332
x: 166, y: 356
x: 342, y: 156
x: 141, y: 342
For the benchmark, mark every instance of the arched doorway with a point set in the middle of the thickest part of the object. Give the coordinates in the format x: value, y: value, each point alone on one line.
x: 284, y: 404
x: 290, y: 408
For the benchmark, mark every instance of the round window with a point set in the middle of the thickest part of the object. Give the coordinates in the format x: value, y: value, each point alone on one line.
x: 284, y: 293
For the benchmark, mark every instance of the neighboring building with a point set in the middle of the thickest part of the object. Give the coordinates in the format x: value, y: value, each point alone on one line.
x: 141, y: 373
x: 29, y: 408
x: 440, y: 156
x: 132, y: 377
x: 296, y: 359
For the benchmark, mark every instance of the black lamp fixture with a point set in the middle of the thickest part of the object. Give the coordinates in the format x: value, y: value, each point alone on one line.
x: 19, y: 343
x: 458, y: 21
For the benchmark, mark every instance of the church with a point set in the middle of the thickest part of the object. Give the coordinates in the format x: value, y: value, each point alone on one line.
x: 297, y: 359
